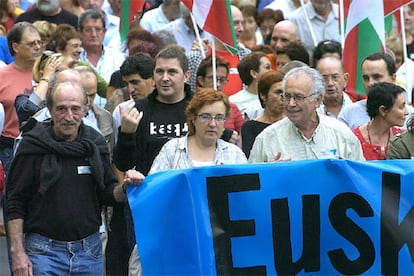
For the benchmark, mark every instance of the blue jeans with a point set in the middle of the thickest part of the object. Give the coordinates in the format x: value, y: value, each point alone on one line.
x: 52, y: 257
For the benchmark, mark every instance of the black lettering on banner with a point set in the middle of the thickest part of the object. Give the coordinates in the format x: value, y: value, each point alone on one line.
x: 223, y: 229
x: 394, y: 235
x: 352, y: 232
x: 282, y: 243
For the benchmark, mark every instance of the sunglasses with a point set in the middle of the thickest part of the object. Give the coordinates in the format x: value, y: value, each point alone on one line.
x: 45, y: 55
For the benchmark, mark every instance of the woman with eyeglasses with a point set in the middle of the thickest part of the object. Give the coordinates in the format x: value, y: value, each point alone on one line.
x: 271, y: 99
x: 202, y: 146
x: 387, y: 109
x: 66, y: 40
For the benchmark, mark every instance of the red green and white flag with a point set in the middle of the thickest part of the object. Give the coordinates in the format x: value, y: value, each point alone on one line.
x: 366, y: 23
x: 128, y: 12
x: 214, y: 17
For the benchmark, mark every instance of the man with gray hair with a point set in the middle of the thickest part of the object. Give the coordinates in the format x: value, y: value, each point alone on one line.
x: 49, y: 10
x: 304, y: 134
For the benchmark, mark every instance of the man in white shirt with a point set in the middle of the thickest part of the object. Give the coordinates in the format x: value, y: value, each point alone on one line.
x: 304, y: 134
x: 111, y: 21
x: 105, y: 60
x: 288, y: 7
x: 317, y: 20
x: 335, y: 98
x: 376, y: 67
x: 183, y: 30
x: 155, y: 19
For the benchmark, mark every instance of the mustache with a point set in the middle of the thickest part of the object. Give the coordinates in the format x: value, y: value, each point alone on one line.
x: 67, y: 122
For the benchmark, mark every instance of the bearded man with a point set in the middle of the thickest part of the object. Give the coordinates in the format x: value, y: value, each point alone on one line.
x: 51, y: 11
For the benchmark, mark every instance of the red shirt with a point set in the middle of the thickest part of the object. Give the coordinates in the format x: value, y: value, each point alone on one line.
x: 234, y: 84
x: 374, y: 152
x: 235, y: 120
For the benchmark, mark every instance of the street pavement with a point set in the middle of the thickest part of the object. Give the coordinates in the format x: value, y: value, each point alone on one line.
x: 4, y: 264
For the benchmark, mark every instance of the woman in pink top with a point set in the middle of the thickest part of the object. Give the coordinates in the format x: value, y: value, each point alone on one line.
x: 387, y: 109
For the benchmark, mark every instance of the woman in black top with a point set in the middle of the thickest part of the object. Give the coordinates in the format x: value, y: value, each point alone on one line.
x: 271, y: 98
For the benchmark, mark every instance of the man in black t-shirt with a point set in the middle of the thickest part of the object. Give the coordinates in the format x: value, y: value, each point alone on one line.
x: 149, y: 123
x: 49, y: 11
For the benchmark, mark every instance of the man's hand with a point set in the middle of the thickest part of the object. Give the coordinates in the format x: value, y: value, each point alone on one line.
x: 196, y: 45
x: 131, y: 177
x: 21, y: 264
x: 130, y: 118
x: 277, y: 158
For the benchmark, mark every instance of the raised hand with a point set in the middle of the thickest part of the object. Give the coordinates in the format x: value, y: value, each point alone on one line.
x: 130, y: 118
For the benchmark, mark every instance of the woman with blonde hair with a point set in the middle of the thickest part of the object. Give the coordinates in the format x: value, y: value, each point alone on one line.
x: 46, y: 29
x: 33, y: 100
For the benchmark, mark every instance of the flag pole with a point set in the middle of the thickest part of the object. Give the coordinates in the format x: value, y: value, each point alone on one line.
x: 342, y: 18
x: 315, y: 43
x: 403, y: 37
x: 213, y: 61
x: 198, y: 37
x: 405, y: 55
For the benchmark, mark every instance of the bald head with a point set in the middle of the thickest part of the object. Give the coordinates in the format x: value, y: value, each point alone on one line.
x: 283, y: 33
x: 332, y: 70
x: 238, y: 21
x: 64, y: 76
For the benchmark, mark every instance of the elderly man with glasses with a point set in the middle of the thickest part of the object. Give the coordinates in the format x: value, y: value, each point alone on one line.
x: 304, y: 134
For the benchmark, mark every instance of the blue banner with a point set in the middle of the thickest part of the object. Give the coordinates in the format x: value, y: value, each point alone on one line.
x: 322, y: 217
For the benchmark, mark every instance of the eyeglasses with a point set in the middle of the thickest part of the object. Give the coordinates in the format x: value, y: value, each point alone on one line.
x: 91, y: 29
x: 45, y: 55
x: 33, y: 43
x: 222, y: 80
x: 205, y: 117
x: 296, y: 97
x: 334, y: 78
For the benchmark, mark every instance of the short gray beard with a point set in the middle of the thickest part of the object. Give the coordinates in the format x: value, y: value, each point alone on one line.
x: 49, y: 7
